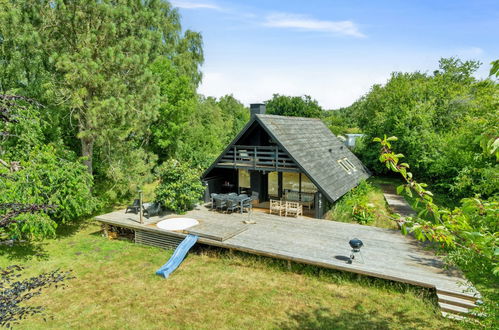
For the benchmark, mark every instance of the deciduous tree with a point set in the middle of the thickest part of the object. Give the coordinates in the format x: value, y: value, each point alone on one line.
x: 439, y: 118
x: 91, y: 63
x: 295, y: 106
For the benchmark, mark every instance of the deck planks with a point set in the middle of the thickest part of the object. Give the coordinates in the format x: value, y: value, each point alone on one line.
x: 387, y: 253
x: 217, y: 232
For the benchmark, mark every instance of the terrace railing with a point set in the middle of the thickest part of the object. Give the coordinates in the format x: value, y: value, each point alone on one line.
x: 269, y: 158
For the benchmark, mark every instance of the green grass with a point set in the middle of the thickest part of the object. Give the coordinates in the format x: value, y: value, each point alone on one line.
x: 115, y: 287
x: 342, y: 211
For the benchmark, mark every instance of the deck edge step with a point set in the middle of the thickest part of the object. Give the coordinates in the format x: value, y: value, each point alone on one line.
x: 453, y: 316
x: 463, y: 295
x: 457, y: 301
x: 454, y: 309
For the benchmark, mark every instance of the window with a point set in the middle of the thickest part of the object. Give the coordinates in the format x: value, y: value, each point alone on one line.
x: 244, y: 179
x: 273, y: 189
x: 347, y: 165
x: 291, y: 181
x: 306, y: 185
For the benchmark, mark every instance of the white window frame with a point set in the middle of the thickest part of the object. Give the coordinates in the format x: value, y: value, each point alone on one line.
x: 344, y: 166
x: 350, y: 164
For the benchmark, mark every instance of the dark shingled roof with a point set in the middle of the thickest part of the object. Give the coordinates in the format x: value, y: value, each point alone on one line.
x: 316, y: 150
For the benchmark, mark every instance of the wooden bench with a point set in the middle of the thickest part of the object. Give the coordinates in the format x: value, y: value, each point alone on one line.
x: 276, y: 206
x: 294, y: 208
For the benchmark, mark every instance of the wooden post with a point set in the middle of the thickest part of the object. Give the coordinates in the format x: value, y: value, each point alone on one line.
x: 105, y: 230
x: 299, y: 186
x: 276, y: 157
x: 235, y: 156
x: 254, y: 158
x: 141, y: 215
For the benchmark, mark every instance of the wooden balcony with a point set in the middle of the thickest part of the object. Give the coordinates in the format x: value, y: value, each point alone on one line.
x: 265, y: 158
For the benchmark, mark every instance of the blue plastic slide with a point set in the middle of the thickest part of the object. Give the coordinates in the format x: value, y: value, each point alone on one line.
x: 178, y: 256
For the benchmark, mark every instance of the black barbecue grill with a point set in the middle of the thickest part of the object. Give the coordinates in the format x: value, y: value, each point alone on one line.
x: 356, y: 244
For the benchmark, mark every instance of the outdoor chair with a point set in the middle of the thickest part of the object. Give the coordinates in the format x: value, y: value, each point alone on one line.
x: 246, y: 204
x: 293, y: 196
x: 213, y: 195
x: 232, y: 194
x: 220, y: 203
x: 276, y: 206
x: 232, y: 205
x: 307, y: 200
x: 135, y: 207
x: 294, y: 208
x: 152, y: 210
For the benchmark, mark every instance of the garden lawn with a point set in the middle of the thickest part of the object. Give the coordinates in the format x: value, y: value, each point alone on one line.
x: 115, y: 287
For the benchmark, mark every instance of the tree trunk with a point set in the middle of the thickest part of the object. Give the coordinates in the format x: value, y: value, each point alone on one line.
x: 87, y: 150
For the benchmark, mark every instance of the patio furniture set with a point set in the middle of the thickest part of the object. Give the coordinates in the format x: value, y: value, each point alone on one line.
x: 305, y: 199
x: 148, y: 209
x: 231, y: 202
x: 287, y: 207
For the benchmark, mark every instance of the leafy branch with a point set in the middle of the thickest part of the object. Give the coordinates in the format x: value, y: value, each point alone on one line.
x: 15, y: 291
x: 9, y: 102
x: 17, y: 209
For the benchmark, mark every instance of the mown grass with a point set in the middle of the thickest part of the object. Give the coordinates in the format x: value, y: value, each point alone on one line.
x: 115, y: 287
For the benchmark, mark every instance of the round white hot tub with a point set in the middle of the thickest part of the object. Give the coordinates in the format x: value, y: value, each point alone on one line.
x: 177, y: 223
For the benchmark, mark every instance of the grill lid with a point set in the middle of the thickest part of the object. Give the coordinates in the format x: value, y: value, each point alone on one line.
x: 356, y: 243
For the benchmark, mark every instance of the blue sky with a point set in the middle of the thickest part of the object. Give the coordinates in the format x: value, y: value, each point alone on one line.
x: 333, y: 51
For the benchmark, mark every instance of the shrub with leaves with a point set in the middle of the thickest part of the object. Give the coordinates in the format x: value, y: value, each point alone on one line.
x: 180, y: 187
x: 15, y: 291
x: 40, y: 184
x: 355, y: 205
x: 49, y: 177
x: 437, y: 117
x: 363, y: 214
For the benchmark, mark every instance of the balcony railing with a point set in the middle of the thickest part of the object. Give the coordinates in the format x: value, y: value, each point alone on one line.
x: 270, y: 158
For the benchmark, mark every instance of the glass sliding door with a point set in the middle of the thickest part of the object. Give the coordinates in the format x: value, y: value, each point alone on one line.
x: 291, y: 181
x: 306, y: 185
x: 244, y: 181
x: 273, y: 188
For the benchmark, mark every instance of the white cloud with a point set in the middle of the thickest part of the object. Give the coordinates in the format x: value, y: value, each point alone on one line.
x: 194, y: 5
x: 284, y: 20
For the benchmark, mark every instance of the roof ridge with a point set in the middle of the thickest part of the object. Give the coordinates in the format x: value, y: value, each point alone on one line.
x: 287, y: 117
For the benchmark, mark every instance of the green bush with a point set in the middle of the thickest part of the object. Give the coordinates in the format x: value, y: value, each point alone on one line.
x: 363, y: 213
x: 53, y: 177
x: 439, y: 119
x: 354, y: 205
x: 179, y: 188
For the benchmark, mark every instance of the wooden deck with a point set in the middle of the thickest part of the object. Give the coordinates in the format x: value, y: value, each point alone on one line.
x: 387, y: 253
